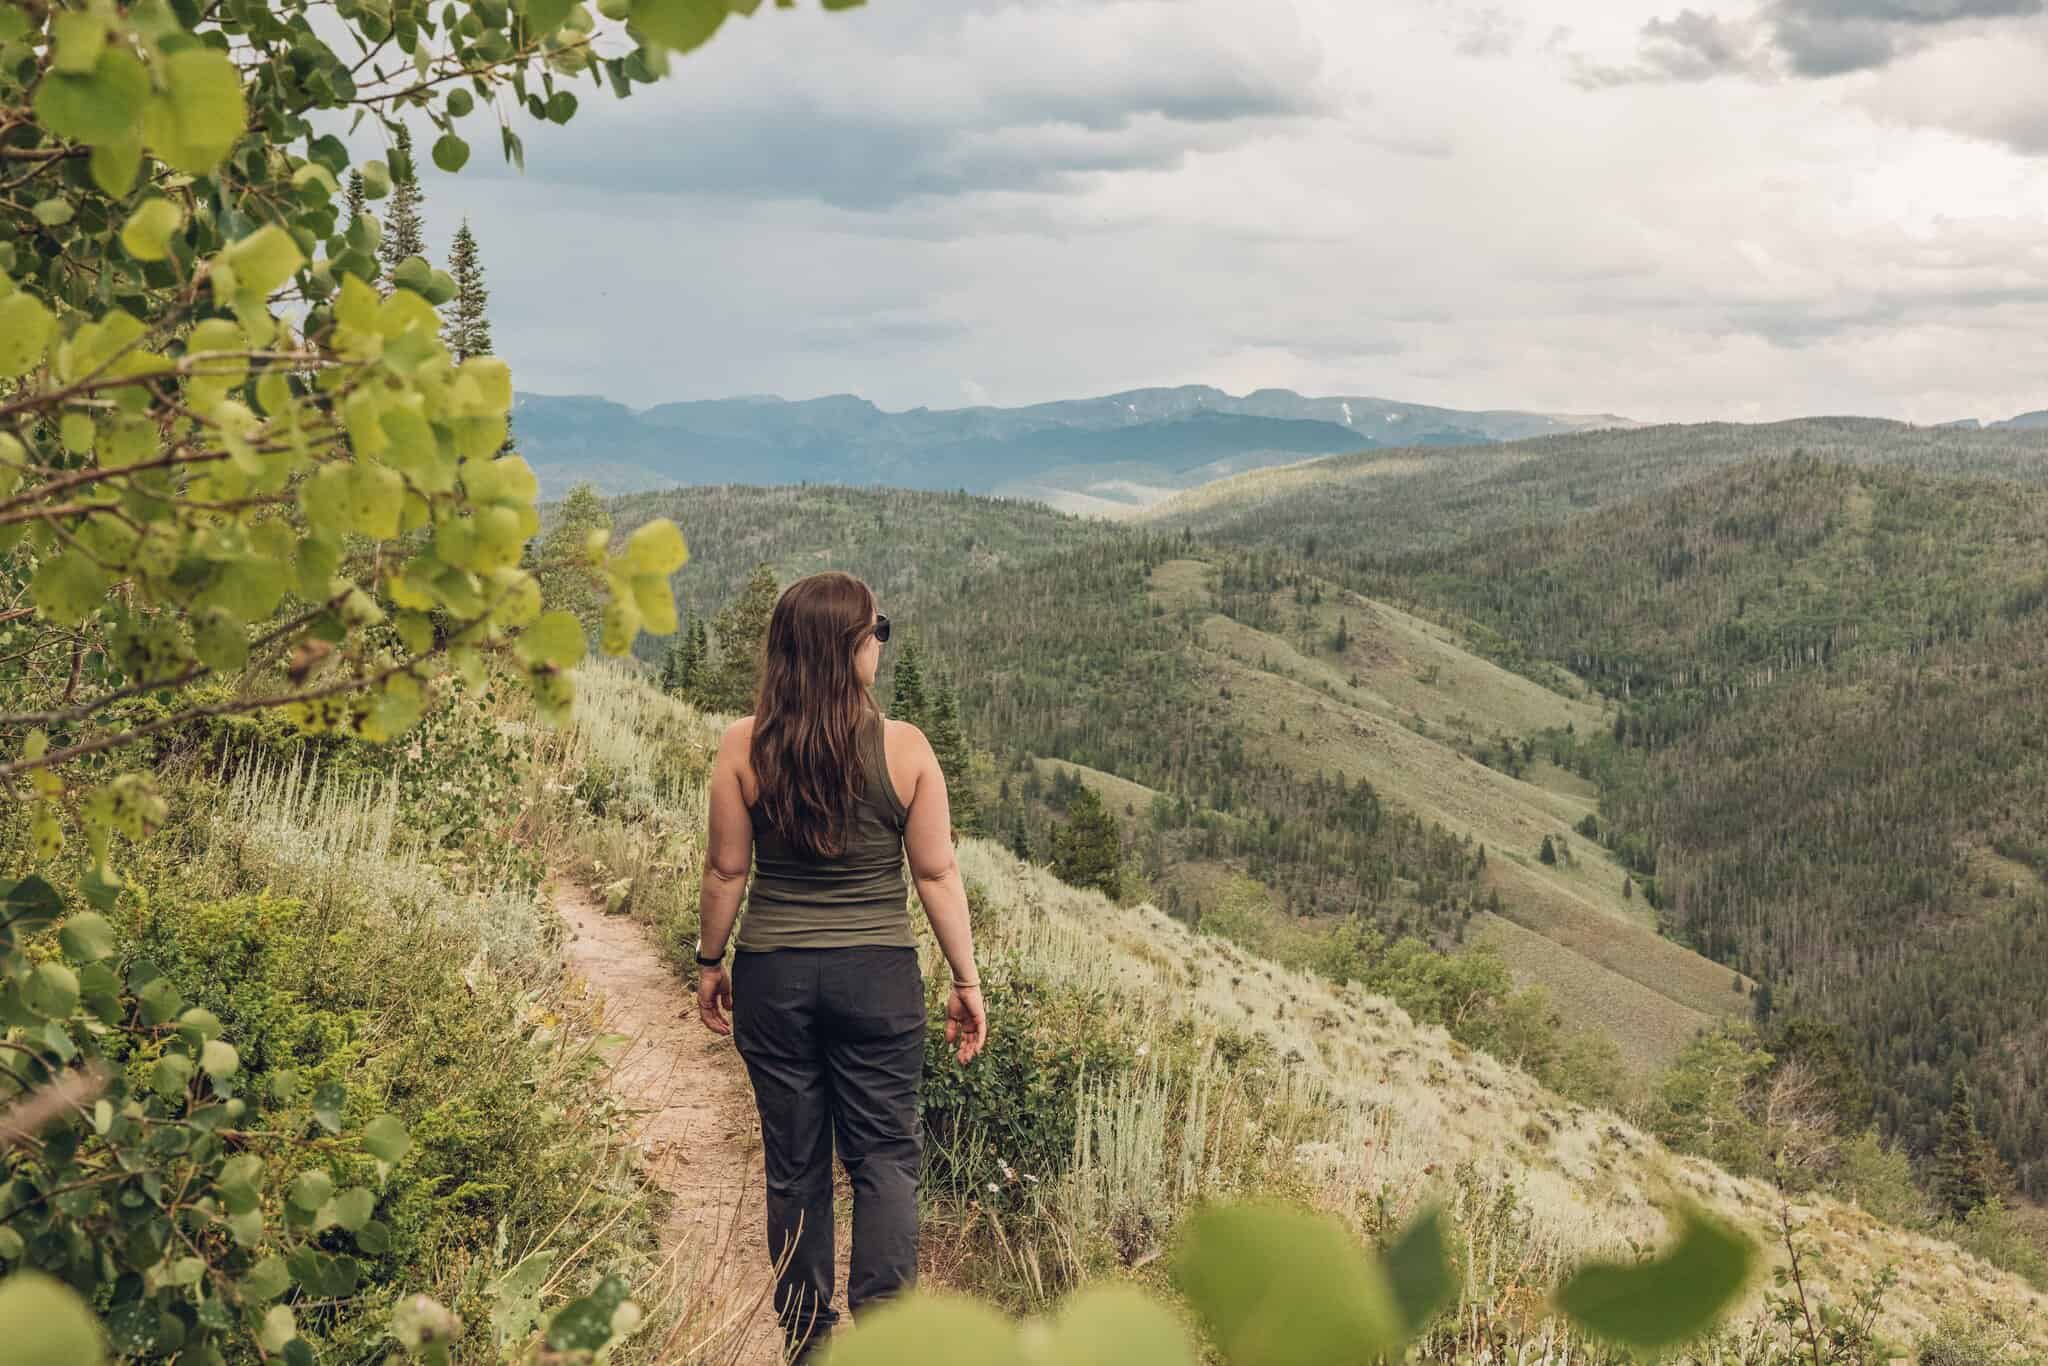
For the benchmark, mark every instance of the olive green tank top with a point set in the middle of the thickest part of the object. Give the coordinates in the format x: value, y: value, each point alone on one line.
x: 858, y: 896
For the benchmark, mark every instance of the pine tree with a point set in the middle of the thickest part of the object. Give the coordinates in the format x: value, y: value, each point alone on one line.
x: 955, y: 758
x: 405, y: 234
x: 468, y: 332
x: 907, y: 701
x: 357, y: 202
x: 1548, y: 853
x: 741, y: 632
x: 683, y: 666
x: 1967, y: 1170
x: 1088, y: 850
x: 566, y: 579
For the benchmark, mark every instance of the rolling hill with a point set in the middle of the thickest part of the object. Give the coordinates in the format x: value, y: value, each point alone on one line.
x: 1376, y: 502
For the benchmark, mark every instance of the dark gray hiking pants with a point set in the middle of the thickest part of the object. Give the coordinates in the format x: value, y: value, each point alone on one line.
x: 834, y: 1042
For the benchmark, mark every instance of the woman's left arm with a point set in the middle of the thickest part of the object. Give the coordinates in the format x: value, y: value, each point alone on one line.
x: 728, y: 855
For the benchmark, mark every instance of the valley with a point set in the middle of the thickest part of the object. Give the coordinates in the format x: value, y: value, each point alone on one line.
x: 1735, y: 654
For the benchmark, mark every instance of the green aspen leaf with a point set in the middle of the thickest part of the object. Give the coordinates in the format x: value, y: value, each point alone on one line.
x: 219, y: 1060
x: 25, y: 326
x: 45, y: 1323
x: 561, y: 107
x: 415, y: 632
x: 280, y: 1326
x: 45, y: 833
x: 376, y: 179
x: 617, y: 625
x: 413, y: 273
x: 1280, y: 1287
x: 493, y: 381
x: 198, y: 115
x: 159, y: 1001
x: 1420, y: 1272
x: 266, y: 1280
x: 330, y: 1100
x: 220, y: 642
x: 87, y: 937
x: 77, y: 38
x: 515, y: 1310
x: 656, y: 602
x: 98, y: 107
x: 51, y: 991
x: 377, y: 497
x: 1117, y: 1325
x: 545, y: 16
x: 199, y: 1024
x: 76, y: 432
x: 419, y: 1322
x: 246, y: 589
x: 30, y: 903
x: 265, y: 259
x: 374, y: 1238
x: 127, y: 442
x: 518, y: 597
x: 459, y: 103
x: 310, y: 1190
x: 618, y: 11
x: 54, y: 212
x: 115, y: 165
x: 386, y: 1139
x: 913, y: 1327
x: 557, y: 639
x: 451, y: 153
x: 655, y: 547
x: 350, y: 1210
x: 318, y: 559
x: 679, y: 24
x: 585, y: 1325
x: 69, y: 588
x: 171, y: 1075
x: 1657, y: 1304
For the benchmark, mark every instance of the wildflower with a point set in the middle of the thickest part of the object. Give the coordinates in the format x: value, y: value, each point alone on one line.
x: 1144, y: 1050
x: 994, y: 1189
x: 1009, y: 1172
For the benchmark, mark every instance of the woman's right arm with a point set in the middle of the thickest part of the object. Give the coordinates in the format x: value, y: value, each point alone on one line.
x: 928, y: 841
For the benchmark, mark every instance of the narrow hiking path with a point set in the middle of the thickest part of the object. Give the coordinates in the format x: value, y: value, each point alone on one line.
x: 693, y: 1118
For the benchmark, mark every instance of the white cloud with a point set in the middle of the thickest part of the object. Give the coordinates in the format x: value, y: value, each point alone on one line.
x: 1022, y: 202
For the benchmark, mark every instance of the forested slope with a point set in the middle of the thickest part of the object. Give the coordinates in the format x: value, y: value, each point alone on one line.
x: 1384, y: 502
x: 1832, y: 759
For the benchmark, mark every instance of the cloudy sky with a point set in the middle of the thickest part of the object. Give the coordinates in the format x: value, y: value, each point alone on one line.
x: 1585, y: 206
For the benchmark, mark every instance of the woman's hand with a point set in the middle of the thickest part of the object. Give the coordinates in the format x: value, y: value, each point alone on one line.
x: 966, y: 1021
x: 714, y: 999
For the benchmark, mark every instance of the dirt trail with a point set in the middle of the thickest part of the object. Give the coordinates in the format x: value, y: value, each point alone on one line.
x: 694, y: 1119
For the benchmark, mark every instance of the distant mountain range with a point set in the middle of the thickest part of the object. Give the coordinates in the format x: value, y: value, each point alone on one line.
x: 1111, y: 454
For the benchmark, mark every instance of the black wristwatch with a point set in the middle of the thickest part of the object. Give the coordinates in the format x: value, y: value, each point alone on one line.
x: 715, y: 961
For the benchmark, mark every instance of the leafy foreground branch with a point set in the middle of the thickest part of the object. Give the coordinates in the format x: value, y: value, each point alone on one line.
x: 1277, y: 1287
x: 242, y: 474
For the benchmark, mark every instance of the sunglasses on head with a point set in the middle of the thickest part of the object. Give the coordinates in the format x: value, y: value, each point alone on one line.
x: 881, y: 628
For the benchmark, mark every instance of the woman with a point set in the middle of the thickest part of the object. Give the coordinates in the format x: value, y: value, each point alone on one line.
x: 824, y: 798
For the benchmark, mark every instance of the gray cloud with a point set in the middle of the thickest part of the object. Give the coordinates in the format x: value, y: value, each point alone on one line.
x: 1811, y: 39
x: 1489, y: 32
x: 1001, y: 99
x: 1689, y: 46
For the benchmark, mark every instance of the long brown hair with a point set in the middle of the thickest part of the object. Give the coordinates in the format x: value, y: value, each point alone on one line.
x: 809, y: 710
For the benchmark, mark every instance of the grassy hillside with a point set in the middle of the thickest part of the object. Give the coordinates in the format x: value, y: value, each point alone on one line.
x: 1165, y: 1067
x: 1382, y: 502
x: 1404, y: 707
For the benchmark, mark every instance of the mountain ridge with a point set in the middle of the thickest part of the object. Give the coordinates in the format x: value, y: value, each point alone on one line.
x: 1108, y: 453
